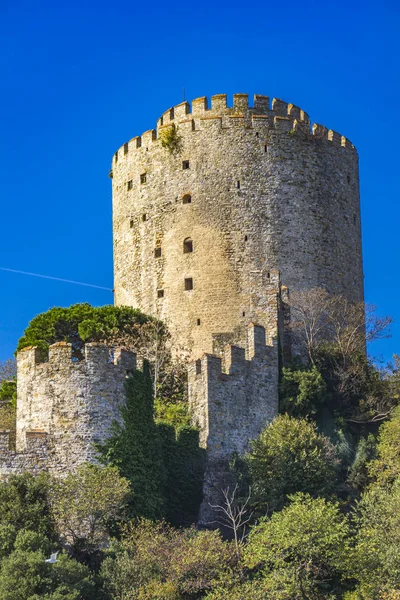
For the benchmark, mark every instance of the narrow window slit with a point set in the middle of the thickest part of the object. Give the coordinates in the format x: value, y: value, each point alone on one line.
x: 188, y: 283
x: 187, y: 245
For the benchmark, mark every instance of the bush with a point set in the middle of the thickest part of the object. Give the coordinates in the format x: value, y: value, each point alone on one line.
x: 376, y: 559
x: 24, y: 575
x: 386, y: 467
x: 302, y: 391
x: 173, y: 563
x: 302, y: 551
x: 290, y: 456
x: 24, y: 504
x: 85, y: 504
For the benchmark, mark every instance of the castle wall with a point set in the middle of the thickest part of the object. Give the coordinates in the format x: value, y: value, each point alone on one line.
x: 268, y: 193
x: 64, y: 407
x: 232, y: 399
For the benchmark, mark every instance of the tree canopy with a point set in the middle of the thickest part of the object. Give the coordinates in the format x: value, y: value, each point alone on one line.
x: 81, y: 323
x: 290, y: 456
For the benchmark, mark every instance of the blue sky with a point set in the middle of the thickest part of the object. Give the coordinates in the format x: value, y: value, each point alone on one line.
x: 78, y: 79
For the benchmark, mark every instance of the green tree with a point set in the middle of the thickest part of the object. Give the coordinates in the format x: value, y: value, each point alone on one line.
x: 154, y: 560
x: 24, y: 504
x: 247, y: 590
x: 81, y: 323
x: 86, y: 503
x: 386, y: 467
x: 290, y: 456
x: 359, y: 476
x: 302, y: 391
x: 24, y: 575
x: 301, y: 552
x: 8, y: 391
x: 375, y: 562
x: 135, y: 448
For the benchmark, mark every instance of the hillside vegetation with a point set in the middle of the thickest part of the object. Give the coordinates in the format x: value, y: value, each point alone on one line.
x: 314, y: 511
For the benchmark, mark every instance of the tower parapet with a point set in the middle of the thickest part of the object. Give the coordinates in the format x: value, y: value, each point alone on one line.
x: 276, y: 114
x: 232, y: 399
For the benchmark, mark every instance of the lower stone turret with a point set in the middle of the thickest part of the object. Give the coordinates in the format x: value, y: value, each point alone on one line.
x: 232, y: 398
x: 64, y: 406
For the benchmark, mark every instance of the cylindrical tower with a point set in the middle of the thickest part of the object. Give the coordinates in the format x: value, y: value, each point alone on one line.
x: 210, y: 205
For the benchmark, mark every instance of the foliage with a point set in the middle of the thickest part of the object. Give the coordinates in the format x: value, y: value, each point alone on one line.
x: 163, y: 462
x: 8, y: 369
x: 302, y: 391
x: 302, y: 551
x: 375, y: 561
x: 358, y: 476
x: 248, y: 590
x: 170, y: 138
x: 172, y: 413
x: 134, y: 447
x: 84, y: 503
x: 173, y: 563
x: 386, y: 467
x: 8, y: 392
x: 290, y: 456
x: 24, y: 574
x: 24, y: 504
x: 78, y: 324
x: 332, y: 333
x: 183, y: 465
x: 319, y: 318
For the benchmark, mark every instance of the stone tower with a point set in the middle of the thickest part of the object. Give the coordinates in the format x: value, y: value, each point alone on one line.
x: 64, y: 407
x: 201, y: 232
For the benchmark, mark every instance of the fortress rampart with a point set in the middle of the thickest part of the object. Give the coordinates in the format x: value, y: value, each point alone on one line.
x: 232, y: 399
x: 249, y: 191
x: 217, y: 214
x: 64, y: 407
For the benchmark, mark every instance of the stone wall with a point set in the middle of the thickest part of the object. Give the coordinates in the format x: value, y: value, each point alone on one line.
x: 267, y: 193
x: 232, y: 399
x: 64, y: 407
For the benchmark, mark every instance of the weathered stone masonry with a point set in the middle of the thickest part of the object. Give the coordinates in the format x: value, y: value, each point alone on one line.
x: 232, y: 399
x: 267, y: 192
x: 64, y: 406
x: 210, y: 238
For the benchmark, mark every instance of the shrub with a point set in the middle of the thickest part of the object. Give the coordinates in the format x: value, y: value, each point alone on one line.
x: 290, y: 456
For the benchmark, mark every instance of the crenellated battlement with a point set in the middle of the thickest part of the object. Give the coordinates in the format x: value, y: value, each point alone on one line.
x: 278, y: 115
x: 64, y: 406
x: 61, y: 354
x: 232, y: 398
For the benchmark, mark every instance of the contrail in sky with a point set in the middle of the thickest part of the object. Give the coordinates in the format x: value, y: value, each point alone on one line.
x: 99, y: 287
